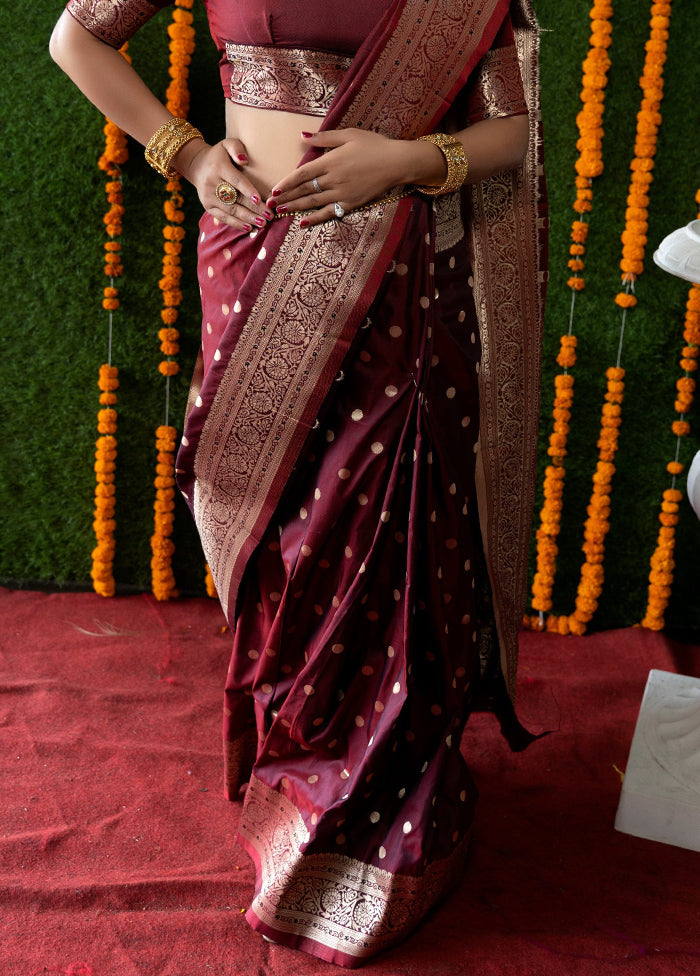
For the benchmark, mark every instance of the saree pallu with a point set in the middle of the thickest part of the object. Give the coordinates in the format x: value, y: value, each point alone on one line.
x: 329, y: 456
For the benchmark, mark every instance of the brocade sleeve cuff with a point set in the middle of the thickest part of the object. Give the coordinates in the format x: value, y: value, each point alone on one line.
x: 114, y: 21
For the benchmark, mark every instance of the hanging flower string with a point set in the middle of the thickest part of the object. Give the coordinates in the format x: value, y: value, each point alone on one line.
x: 588, y: 165
x: 209, y: 583
x: 662, y: 562
x: 114, y: 156
x: 634, y: 242
x: 181, y: 33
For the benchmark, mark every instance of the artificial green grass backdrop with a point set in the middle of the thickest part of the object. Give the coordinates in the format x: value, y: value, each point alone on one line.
x: 54, y: 332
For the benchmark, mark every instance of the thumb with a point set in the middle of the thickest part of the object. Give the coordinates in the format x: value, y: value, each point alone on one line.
x: 236, y: 150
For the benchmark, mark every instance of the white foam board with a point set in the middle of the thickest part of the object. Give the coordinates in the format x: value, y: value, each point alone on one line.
x: 660, y: 797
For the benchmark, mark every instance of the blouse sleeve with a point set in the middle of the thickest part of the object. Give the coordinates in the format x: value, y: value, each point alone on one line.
x: 114, y: 21
x: 495, y: 88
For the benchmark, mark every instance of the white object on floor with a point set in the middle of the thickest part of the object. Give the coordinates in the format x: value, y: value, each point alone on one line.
x: 661, y: 791
x: 694, y: 484
x: 679, y: 253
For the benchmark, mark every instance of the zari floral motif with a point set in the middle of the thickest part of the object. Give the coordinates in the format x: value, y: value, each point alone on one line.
x: 498, y: 84
x: 113, y: 21
x: 181, y: 46
x: 350, y: 906
x: 286, y: 79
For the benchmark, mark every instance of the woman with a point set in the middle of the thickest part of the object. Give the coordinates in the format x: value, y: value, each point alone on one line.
x: 334, y: 442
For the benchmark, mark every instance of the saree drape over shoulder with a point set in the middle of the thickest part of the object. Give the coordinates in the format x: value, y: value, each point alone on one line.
x: 360, y: 435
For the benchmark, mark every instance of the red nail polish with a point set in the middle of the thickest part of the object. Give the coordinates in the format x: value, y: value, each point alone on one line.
x: 268, y: 213
x: 241, y: 157
x: 259, y: 221
x: 304, y: 222
x: 283, y: 208
x: 307, y: 135
x: 276, y: 193
x: 246, y: 227
x: 255, y: 198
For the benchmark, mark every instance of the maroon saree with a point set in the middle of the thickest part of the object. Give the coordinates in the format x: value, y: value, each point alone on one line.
x: 359, y: 457
x: 330, y: 457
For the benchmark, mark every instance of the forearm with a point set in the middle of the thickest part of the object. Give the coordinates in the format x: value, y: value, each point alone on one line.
x: 106, y: 79
x: 491, y: 146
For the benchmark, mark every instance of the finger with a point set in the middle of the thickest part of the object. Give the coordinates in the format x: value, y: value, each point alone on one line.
x: 230, y: 219
x: 299, y: 191
x: 289, y: 188
x: 236, y: 150
x: 303, y: 201
x: 258, y: 216
x: 327, y: 139
x: 319, y: 216
x: 248, y: 194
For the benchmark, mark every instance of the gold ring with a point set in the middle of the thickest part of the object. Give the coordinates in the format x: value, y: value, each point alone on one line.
x: 227, y: 194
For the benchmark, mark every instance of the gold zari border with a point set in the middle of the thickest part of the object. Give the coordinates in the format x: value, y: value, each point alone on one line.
x: 348, y: 905
x: 286, y: 79
x: 115, y: 21
x: 507, y: 238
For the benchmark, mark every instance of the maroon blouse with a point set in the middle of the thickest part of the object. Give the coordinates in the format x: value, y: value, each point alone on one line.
x: 327, y: 25
x: 275, y: 53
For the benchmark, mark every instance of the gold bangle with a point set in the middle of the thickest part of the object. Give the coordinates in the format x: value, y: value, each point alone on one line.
x: 166, y: 141
x: 456, y: 159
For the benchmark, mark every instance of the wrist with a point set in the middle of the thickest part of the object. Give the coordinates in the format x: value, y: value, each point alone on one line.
x: 189, y: 158
x: 423, y: 163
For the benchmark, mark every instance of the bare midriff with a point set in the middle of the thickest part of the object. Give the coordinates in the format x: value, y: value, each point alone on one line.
x: 272, y: 140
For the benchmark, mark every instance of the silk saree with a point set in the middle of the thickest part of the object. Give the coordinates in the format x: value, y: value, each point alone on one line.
x: 359, y: 456
x: 360, y: 436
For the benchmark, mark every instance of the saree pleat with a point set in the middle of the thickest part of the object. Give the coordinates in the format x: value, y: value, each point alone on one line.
x: 354, y: 656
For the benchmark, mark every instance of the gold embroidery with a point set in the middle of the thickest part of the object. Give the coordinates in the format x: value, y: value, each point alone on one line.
x: 287, y: 79
x: 508, y: 237
x: 497, y: 89
x: 419, y: 66
x: 257, y: 421
x: 113, y: 21
x: 348, y: 905
x: 239, y: 758
x: 449, y: 229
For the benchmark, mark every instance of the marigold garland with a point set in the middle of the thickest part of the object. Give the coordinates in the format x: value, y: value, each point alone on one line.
x: 104, y: 524
x: 181, y: 46
x: 162, y: 546
x: 634, y: 242
x: 662, y: 563
x: 209, y: 583
x: 588, y: 165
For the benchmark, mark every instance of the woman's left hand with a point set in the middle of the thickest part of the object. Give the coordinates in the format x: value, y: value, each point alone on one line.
x: 356, y: 168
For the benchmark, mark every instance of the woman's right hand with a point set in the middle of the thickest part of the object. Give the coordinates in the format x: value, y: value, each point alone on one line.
x: 207, y: 166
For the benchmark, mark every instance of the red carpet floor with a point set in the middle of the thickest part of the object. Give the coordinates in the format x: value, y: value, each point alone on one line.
x: 116, y: 846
